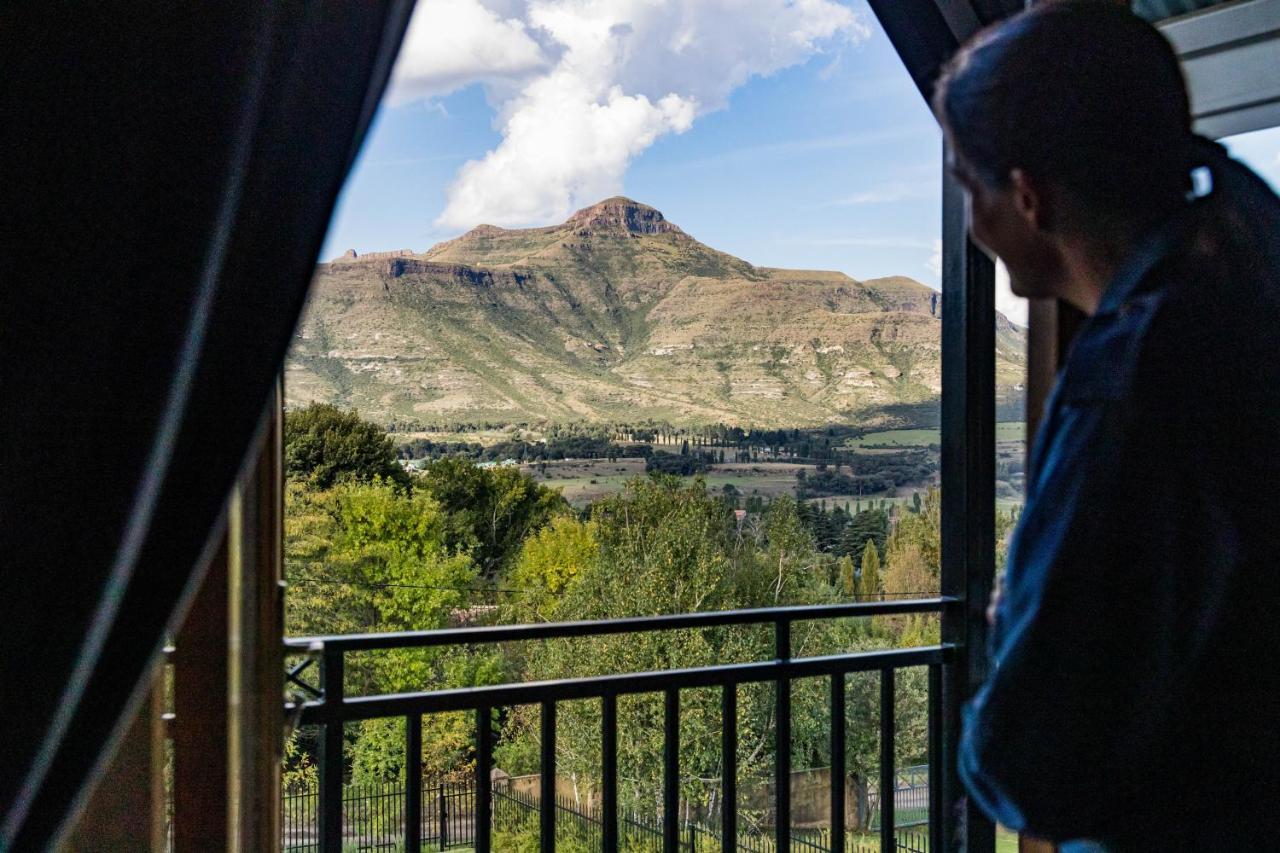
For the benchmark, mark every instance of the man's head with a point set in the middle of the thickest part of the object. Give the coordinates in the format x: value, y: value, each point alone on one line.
x: 1069, y: 125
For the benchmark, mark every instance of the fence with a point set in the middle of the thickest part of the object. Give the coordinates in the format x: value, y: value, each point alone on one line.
x: 331, y: 709
x: 910, y: 798
x: 373, y: 819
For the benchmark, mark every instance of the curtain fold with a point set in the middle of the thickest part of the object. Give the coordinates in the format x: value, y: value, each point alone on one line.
x: 167, y: 173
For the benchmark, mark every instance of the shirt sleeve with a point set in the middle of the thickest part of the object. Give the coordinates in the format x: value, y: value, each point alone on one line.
x: 1083, y: 657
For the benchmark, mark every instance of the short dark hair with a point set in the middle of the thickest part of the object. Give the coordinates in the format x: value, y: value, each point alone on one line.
x: 1081, y: 93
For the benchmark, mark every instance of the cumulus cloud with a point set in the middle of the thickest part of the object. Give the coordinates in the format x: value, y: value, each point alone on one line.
x: 1011, y: 306
x: 580, y: 87
x: 454, y: 43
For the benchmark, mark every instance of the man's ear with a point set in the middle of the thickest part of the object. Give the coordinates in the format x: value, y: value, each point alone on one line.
x: 1029, y: 200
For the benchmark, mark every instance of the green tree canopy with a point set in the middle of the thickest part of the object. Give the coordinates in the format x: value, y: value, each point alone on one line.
x: 549, y: 561
x: 869, y: 579
x: 324, y: 445
x: 491, y: 510
x: 364, y: 557
x: 666, y: 545
x: 869, y: 524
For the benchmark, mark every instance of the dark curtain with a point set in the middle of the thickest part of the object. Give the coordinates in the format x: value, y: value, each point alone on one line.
x: 167, y: 173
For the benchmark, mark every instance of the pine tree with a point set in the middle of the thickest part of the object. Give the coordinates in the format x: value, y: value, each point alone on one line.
x: 848, y: 579
x: 869, y: 579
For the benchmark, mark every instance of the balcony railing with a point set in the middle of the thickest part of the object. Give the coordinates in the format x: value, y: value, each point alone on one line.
x: 332, y: 708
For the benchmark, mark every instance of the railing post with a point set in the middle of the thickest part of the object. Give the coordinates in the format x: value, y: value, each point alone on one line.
x: 671, y: 772
x: 413, y: 784
x: 444, y: 817
x: 547, y: 808
x: 484, y: 785
x: 729, y: 766
x: 331, y: 759
x: 609, y: 771
x: 888, y: 778
x: 837, y: 761
x: 934, y: 789
x: 782, y: 741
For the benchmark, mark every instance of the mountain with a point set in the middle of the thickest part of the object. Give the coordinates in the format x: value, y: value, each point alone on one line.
x: 619, y: 315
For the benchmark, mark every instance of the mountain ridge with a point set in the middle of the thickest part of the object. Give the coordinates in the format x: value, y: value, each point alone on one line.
x: 615, y: 314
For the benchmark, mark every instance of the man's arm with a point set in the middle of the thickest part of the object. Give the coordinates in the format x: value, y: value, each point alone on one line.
x: 1083, y: 663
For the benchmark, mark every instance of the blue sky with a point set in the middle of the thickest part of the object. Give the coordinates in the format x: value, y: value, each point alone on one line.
x: 830, y: 163
x: 786, y: 133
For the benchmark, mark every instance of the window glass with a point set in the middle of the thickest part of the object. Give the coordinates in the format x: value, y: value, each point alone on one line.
x: 1260, y: 151
x: 1156, y: 10
x: 627, y: 309
x: 1011, y: 405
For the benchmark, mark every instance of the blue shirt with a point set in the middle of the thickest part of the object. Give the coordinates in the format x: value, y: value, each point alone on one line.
x: 1133, y: 691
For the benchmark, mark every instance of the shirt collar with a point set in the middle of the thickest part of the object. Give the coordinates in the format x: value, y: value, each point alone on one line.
x: 1159, y: 242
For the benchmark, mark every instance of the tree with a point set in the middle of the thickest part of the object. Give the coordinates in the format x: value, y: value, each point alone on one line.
x: 922, y: 529
x: 869, y: 579
x: 324, y: 445
x: 549, y: 561
x: 490, y: 510
x: 905, y: 571
x: 668, y: 546
x: 872, y: 525
x: 848, y: 576
x: 373, y: 557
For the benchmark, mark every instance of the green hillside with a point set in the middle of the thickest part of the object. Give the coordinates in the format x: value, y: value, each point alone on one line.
x: 615, y: 315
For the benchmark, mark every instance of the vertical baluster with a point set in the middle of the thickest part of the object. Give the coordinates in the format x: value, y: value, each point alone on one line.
x: 484, y: 787
x: 934, y: 789
x: 609, y: 771
x: 729, y: 765
x: 782, y: 744
x: 671, y: 773
x: 547, y: 811
x: 413, y: 784
x: 837, y: 762
x: 442, y: 816
x: 331, y: 755
x: 887, y: 782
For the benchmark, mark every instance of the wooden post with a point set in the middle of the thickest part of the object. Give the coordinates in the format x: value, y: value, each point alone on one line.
x: 125, y: 812
x: 228, y: 671
x: 200, y: 716
x: 255, y: 621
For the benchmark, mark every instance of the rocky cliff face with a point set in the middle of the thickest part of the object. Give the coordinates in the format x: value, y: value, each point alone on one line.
x: 616, y: 314
x: 620, y: 215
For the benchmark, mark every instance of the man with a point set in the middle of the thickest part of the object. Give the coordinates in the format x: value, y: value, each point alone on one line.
x: 1132, y: 700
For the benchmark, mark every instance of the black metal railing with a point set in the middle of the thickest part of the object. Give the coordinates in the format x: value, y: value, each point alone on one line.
x: 332, y: 708
x: 373, y: 819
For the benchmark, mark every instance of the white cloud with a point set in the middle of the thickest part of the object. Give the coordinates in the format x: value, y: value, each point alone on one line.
x: 873, y: 242
x: 454, y: 43
x: 935, y: 259
x: 581, y: 87
x: 1011, y: 306
x: 893, y: 191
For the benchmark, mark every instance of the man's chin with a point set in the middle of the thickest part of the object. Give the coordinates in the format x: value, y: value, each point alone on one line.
x: 1020, y: 289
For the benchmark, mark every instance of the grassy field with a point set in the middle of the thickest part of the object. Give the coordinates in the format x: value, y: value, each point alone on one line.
x: 487, y: 437
x: 582, y: 481
x: 1005, y: 431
